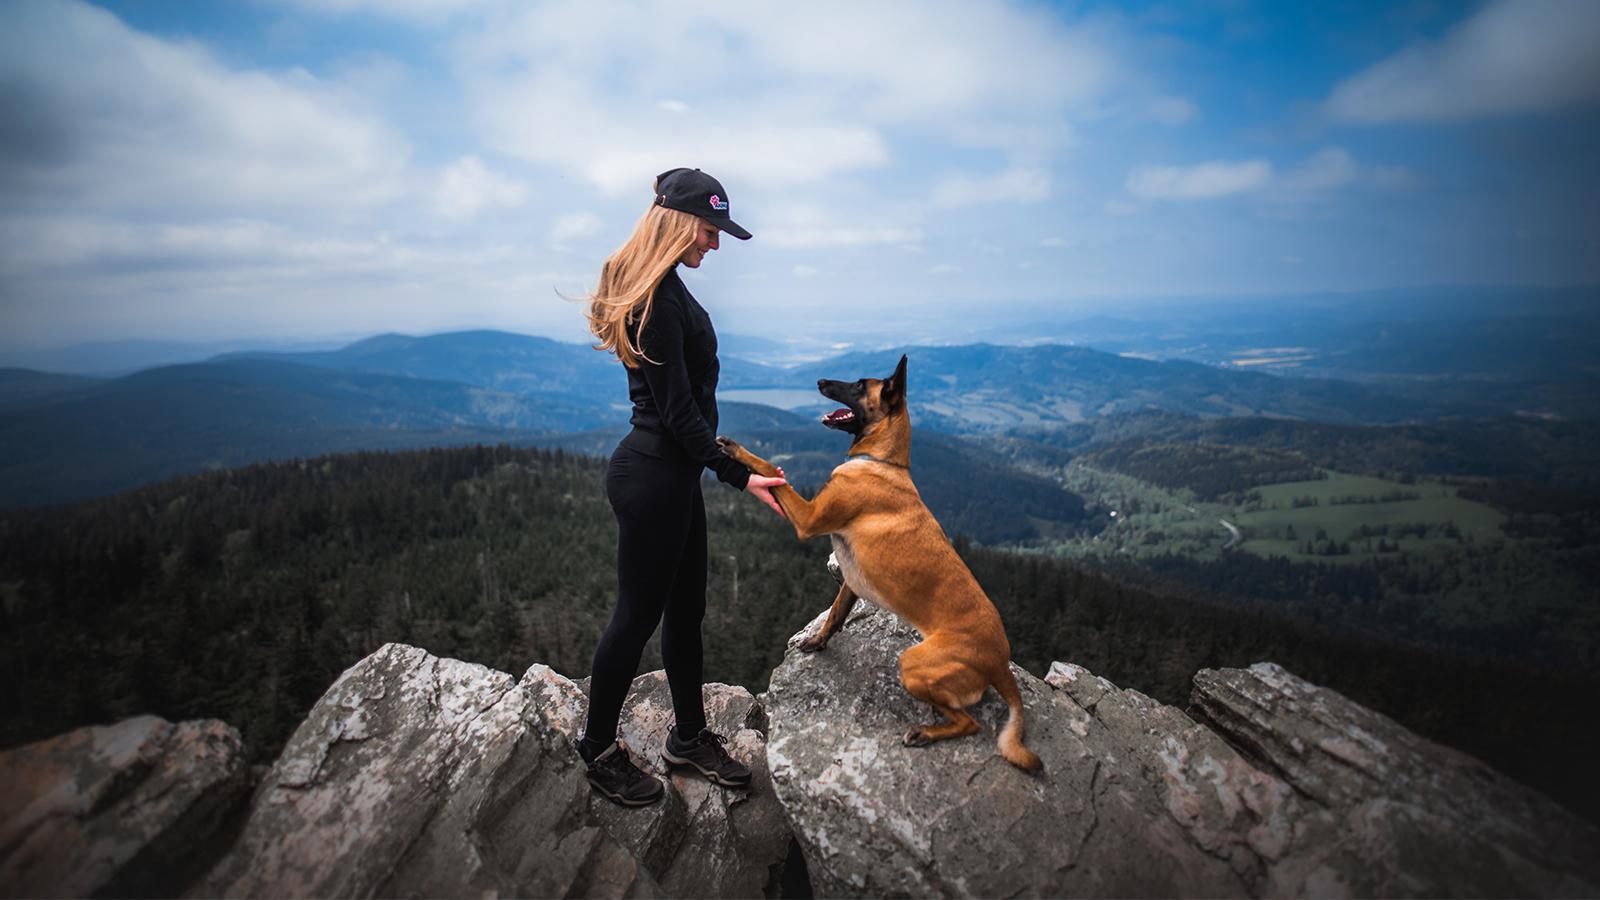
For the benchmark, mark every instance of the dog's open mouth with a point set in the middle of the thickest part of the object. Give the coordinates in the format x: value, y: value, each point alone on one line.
x: 839, y: 417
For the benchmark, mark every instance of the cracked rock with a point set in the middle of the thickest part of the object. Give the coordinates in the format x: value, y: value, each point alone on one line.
x: 120, y: 810
x: 421, y: 776
x: 1138, y: 798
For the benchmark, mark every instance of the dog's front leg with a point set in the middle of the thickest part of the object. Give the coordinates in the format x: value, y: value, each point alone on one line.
x: 837, y: 613
x: 806, y: 516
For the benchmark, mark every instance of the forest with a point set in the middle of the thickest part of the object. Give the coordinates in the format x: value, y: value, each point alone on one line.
x: 242, y: 594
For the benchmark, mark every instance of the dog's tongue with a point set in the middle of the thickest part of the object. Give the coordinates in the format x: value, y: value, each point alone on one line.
x: 838, y: 415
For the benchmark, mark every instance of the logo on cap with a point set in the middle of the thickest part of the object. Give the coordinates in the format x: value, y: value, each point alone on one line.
x: 718, y: 202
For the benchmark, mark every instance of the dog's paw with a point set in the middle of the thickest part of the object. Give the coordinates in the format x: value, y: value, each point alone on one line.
x: 813, y: 644
x: 729, y: 446
x: 916, y: 737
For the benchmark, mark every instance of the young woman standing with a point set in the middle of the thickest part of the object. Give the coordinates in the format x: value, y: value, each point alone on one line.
x: 644, y: 314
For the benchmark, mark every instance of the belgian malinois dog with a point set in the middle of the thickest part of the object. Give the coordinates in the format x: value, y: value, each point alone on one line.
x: 892, y: 551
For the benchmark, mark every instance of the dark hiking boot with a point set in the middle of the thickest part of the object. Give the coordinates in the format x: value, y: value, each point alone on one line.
x: 615, y: 776
x: 705, y: 754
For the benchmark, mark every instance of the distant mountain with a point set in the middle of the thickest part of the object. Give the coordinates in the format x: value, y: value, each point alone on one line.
x: 960, y: 389
x: 177, y: 419
x: 101, y: 437
x: 115, y: 358
x: 513, y: 363
x: 985, y: 388
x: 64, y: 438
x: 1480, y: 351
x: 1560, y: 456
x: 20, y: 388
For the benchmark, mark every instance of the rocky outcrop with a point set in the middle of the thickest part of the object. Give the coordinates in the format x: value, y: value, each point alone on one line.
x: 423, y: 776
x: 1384, y: 812
x: 701, y: 840
x: 1139, y: 799
x: 131, y: 807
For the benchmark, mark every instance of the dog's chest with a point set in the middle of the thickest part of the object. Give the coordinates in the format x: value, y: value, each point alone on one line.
x: 851, y: 570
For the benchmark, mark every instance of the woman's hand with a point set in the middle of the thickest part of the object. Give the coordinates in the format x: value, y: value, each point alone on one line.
x: 761, y: 486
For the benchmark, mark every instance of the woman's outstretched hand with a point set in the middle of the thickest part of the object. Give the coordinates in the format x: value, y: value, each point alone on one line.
x: 761, y: 486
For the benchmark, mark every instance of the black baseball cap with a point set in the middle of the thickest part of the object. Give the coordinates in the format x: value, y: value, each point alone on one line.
x: 698, y: 194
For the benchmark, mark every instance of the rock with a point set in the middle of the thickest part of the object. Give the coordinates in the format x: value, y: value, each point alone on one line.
x: 1136, y: 797
x: 1390, y: 813
x: 116, y: 810
x: 875, y: 817
x: 422, y: 776
x: 702, y: 840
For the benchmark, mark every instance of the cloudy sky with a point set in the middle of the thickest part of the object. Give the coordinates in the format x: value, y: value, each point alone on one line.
x: 301, y: 169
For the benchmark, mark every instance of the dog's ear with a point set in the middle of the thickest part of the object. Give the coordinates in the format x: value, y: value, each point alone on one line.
x: 894, y: 387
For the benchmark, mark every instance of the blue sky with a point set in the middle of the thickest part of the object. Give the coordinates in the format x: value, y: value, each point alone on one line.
x: 303, y: 170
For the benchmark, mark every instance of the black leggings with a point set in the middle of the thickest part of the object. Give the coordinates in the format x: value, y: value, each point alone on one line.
x: 661, y: 577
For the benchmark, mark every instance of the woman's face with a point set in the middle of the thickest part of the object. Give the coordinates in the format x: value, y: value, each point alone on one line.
x: 705, y: 240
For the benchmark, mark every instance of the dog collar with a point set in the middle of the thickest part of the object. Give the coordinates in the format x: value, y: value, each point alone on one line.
x: 870, y: 458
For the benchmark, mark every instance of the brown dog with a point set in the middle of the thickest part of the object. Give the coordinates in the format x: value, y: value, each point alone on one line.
x: 893, y: 552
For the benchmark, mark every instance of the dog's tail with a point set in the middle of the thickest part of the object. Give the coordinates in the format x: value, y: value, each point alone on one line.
x: 1011, y: 734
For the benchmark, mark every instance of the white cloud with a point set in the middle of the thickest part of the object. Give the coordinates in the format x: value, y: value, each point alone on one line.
x: 808, y: 227
x: 804, y: 271
x: 1333, y: 168
x: 1203, y: 181
x: 1328, y: 168
x: 467, y: 188
x: 574, y: 226
x: 783, y: 95
x: 618, y: 144
x: 108, y: 118
x: 807, y: 237
x: 944, y: 269
x: 1014, y: 185
x: 1511, y: 57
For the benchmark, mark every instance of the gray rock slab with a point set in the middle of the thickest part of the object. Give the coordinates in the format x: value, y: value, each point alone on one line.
x: 701, y: 840
x: 1386, y: 812
x: 1281, y: 789
x: 118, y: 809
x: 877, y: 818
x: 421, y: 776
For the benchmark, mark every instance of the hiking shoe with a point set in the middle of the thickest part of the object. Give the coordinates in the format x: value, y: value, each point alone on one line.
x: 615, y: 776
x: 704, y: 752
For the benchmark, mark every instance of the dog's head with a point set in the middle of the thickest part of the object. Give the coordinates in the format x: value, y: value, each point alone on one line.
x: 867, y: 401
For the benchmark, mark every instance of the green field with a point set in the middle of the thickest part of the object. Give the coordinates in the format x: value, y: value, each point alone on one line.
x: 1444, y: 519
x: 1341, y: 518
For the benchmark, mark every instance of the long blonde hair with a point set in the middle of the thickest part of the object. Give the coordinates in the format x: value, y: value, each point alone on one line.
x: 623, y: 301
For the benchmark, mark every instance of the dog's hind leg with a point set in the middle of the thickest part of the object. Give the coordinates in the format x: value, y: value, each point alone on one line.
x: 960, y: 725
x: 837, y: 613
x: 950, y: 686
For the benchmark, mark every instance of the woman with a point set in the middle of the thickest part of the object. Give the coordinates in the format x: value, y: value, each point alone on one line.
x: 643, y: 313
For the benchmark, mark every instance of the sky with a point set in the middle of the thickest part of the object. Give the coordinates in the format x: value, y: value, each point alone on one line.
x: 331, y: 169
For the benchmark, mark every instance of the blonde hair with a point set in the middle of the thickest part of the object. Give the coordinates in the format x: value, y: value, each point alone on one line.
x: 620, y: 306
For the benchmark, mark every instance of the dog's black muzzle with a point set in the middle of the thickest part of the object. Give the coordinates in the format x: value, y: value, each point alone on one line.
x: 849, y: 393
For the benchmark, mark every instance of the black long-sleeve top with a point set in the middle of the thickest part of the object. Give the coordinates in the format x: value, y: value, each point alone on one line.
x: 675, y: 402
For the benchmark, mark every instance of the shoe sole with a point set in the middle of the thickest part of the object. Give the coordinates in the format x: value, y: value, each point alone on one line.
x: 710, y: 774
x: 617, y: 798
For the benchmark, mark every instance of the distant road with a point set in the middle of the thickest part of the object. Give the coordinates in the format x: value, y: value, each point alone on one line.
x: 1236, y: 538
